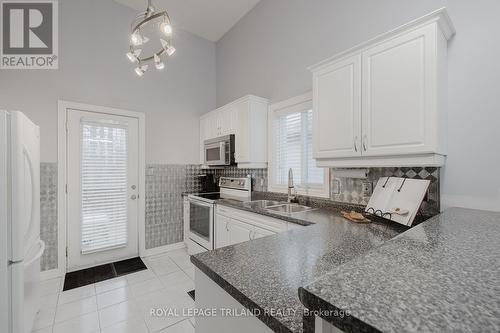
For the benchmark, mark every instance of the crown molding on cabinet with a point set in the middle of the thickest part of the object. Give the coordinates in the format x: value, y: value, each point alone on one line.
x: 440, y: 16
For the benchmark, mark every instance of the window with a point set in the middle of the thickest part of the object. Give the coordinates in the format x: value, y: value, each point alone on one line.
x: 290, y: 141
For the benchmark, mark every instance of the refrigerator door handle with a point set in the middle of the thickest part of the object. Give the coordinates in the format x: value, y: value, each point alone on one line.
x: 37, y: 255
x: 33, y: 189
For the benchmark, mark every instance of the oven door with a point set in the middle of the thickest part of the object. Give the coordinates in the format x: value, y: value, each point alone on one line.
x: 201, y: 223
x: 215, y: 153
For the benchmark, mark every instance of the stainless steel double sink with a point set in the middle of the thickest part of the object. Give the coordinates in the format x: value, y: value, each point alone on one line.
x: 278, y: 207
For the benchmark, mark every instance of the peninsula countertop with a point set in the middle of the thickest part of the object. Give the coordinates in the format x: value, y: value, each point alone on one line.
x: 440, y: 276
x: 266, y: 273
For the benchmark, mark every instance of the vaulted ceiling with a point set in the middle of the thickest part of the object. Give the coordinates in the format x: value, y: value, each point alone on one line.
x: 209, y: 19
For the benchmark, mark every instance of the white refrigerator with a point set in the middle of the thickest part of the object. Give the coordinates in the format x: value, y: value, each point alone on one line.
x: 20, y: 244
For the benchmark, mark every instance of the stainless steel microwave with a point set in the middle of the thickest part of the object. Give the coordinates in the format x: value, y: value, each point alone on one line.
x: 219, y: 151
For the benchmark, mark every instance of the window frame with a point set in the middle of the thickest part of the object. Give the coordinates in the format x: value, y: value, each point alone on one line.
x: 291, y: 105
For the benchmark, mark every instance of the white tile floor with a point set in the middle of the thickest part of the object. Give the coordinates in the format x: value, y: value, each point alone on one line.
x: 123, y: 304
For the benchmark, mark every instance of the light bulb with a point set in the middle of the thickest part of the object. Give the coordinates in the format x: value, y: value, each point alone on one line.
x: 166, y: 28
x: 167, y: 47
x: 141, y: 70
x: 170, y: 50
x: 164, y: 44
x: 136, y: 38
x: 158, y: 63
x: 133, y: 55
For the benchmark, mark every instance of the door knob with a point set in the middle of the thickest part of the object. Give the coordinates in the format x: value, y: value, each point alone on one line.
x: 133, y: 187
x: 133, y: 197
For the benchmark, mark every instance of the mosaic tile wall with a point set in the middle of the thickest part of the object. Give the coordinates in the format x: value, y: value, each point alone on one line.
x: 164, y: 217
x: 48, y: 214
x: 349, y: 190
x: 164, y: 187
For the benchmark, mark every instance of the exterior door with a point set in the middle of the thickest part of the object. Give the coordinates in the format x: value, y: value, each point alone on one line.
x: 102, y: 188
x: 337, y: 109
x: 398, y: 94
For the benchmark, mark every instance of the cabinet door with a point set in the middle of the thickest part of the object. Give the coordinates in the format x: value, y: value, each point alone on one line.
x: 216, y: 124
x: 337, y: 109
x: 221, y: 230
x: 228, y: 120
x: 260, y: 232
x: 242, y: 151
x: 239, y: 232
x: 398, y: 86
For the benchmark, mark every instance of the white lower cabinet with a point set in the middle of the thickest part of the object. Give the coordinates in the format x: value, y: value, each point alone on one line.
x: 233, y: 226
x: 260, y: 232
x: 209, y: 295
x: 239, y: 232
x: 221, y: 230
x: 322, y: 326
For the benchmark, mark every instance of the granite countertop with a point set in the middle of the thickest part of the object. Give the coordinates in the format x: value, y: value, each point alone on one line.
x: 440, y: 276
x: 266, y: 273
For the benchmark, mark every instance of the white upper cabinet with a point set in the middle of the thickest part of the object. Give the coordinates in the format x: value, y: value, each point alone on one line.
x: 383, y: 103
x: 399, y: 109
x: 246, y: 118
x: 337, y: 97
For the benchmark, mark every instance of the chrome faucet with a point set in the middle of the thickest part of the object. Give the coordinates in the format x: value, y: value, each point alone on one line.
x: 292, y: 198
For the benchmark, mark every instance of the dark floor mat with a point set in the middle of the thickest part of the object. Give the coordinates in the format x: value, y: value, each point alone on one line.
x: 99, y: 273
x: 191, y: 294
x: 129, y: 266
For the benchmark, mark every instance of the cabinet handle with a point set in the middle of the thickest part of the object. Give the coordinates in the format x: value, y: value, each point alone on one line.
x: 249, y: 234
x: 227, y: 227
x: 364, y: 144
x: 356, y: 144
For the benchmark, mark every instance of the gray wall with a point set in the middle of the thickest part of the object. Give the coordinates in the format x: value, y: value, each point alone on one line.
x: 267, y: 53
x: 93, y: 69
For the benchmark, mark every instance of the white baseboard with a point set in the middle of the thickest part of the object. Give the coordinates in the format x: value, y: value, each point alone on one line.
x: 50, y: 274
x: 163, y: 249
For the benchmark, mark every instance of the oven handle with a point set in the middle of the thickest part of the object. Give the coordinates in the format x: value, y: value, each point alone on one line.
x: 200, y: 203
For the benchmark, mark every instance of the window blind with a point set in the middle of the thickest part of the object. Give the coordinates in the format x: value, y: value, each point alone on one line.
x: 103, y: 186
x: 293, y: 149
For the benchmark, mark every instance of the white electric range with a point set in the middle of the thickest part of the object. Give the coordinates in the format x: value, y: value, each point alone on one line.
x: 201, y: 211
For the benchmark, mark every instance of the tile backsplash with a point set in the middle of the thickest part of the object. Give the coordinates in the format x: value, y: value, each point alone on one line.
x: 349, y: 190
x: 48, y: 214
x: 165, y: 184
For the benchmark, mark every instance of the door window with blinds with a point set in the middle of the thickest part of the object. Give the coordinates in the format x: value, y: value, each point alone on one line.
x: 102, y: 197
x: 103, y: 186
x: 290, y: 147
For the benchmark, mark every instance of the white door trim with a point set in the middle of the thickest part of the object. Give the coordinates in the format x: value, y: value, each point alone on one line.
x: 61, y: 174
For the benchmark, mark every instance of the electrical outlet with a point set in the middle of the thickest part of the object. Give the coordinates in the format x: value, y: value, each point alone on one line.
x: 366, y: 188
